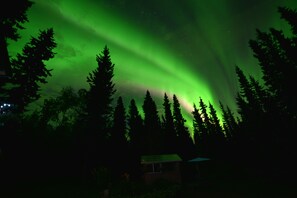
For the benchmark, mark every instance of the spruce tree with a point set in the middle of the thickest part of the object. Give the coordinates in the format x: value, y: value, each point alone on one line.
x: 99, y: 112
x: 118, y: 144
x: 268, y: 111
x: 217, y: 128
x: 185, y: 142
x: 136, y: 139
x: 119, y: 133
x: 13, y: 14
x: 229, y: 122
x: 217, y: 135
x: 101, y: 94
x: 248, y: 94
x: 29, y: 69
x: 152, y: 126
x: 168, y: 126
x: 208, y: 136
x: 200, y: 132
x: 204, y: 114
x: 276, y: 54
x: 135, y: 126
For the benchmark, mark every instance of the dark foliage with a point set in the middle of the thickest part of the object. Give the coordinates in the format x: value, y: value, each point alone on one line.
x: 268, y: 112
x: 100, y: 94
x: 118, y: 158
x: 152, y: 127
x: 170, y: 134
x: 29, y: 69
x: 99, y: 115
x: 185, y: 144
x: 136, y: 139
x: 13, y: 14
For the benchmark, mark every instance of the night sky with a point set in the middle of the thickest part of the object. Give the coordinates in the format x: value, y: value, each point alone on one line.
x: 188, y: 48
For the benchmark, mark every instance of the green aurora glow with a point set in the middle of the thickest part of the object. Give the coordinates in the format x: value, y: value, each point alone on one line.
x: 188, y: 49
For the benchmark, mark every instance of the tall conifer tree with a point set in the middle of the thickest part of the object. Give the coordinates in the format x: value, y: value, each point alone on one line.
x: 118, y: 140
x: 101, y: 93
x: 217, y: 135
x: 200, y: 132
x: 268, y: 113
x: 185, y: 141
x: 168, y: 126
x: 29, y: 69
x: 152, y: 126
x: 99, y: 112
x: 135, y: 125
x: 136, y: 139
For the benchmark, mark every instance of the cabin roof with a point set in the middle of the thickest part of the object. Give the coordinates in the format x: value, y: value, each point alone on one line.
x: 199, y: 159
x: 150, y: 159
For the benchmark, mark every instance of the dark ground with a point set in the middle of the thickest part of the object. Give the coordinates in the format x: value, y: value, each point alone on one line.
x: 216, y: 180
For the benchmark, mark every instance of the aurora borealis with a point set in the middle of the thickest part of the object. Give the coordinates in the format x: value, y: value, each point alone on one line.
x: 188, y: 48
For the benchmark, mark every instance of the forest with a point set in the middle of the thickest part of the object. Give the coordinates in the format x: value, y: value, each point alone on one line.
x: 80, y: 132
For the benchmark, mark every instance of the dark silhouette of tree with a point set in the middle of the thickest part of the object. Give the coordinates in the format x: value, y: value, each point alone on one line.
x: 230, y: 125
x: 254, y: 132
x: 118, y: 146
x: 252, y: 103
x: 29, y: 69
x: 65, y: 110
x: 209, y: 136
x: 22, y: 77
x: 46, y: 139
x: 248, y: 99
x: 217, y: 136
x: 99, y: 112
x: 263, y: 99
x: 276, y: 56
x: 208, y: 145
x: 135, y: 125
x: 216, y: 125
x: 213, y: 137
x: 204, y: 114
x: 101, y: 92
x: 61, y: 121
x: 268, y: 111
x: 13, y: 14
x: 185, y: 143
x: 200, y: 132
x: 168, y: 127
x: 119, y: 133
x: 152, y: 126
x: 136, y: 139
x: 290, y: 16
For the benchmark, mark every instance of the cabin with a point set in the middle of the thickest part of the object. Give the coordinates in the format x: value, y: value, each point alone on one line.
x: 164, y: 167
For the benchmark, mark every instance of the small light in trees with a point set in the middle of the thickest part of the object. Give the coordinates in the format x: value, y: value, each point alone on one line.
x: 5, y: 108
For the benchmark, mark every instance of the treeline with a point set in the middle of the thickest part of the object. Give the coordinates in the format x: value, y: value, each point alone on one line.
x: 82, y: 134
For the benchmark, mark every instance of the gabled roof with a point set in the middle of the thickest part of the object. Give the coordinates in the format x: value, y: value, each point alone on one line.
x: 150, y: 159
x: 199, y: 159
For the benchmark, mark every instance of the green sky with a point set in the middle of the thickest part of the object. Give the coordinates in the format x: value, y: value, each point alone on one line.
x: 188, y: 48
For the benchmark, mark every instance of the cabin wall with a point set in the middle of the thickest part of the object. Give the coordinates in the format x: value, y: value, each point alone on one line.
x: 170, y: 172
